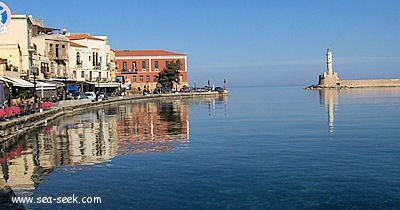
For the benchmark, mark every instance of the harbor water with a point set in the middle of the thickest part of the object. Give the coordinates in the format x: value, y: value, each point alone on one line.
x: 258, y: 148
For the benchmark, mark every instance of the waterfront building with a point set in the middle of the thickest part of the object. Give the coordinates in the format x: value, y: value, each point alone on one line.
x: 91, y: 60
x: 51, y: 52
x: 112, y: 65
x: 140, y: 68
x: 16, y: 46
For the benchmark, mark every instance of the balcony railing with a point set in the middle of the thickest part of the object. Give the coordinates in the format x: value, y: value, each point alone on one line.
x: 129, y: 71
x: 97, y: 66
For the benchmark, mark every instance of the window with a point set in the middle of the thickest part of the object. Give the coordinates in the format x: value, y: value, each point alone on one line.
x: 154, y: 78
x: 124, y: 66
x: 134, y: 65
x: 78, y: 58
x: 156, y: 64
x: 62, y: 50
x: 82, y: 74
x: 147, y: 78
x: 134, y: 79
x: 51, y: 49
x: 90, y: 58
x: 94, y: 59
x: 141, y: 79
x: 57, y: 54
x: 143, y: 64
x: 44, y: 67
x: 166, y: 63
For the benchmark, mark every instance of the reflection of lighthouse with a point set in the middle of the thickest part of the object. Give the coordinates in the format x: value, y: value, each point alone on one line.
x: 330, y: 98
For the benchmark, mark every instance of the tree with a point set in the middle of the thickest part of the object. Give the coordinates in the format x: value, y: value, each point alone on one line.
x: 170, y: 74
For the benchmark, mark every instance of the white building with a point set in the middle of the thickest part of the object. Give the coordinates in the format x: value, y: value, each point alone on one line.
x: 89, y: 58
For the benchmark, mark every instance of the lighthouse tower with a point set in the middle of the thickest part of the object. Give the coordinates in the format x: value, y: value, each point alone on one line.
x: 329, y: 78
x: 329, y: 62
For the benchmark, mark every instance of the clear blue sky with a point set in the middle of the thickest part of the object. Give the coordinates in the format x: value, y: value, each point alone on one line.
x: 247, y: 42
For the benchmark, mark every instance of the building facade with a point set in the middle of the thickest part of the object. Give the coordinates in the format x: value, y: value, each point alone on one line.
x: 140, y: 68
x: 16, y: 46
x: 90, y: 58
x: 51, y: 55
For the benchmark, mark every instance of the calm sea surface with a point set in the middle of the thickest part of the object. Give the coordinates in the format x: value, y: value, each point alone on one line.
x: 258, y: 148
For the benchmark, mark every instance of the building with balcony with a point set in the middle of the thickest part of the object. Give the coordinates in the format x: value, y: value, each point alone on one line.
x: 51, y: 56
x: 91, y: 61
x: 89, y: 56
x: 139, y: 68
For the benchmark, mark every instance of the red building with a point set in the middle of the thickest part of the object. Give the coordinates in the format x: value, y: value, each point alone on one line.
x: 140, y: 68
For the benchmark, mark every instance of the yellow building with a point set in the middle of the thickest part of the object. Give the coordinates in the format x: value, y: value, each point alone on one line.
x: 15, y: 45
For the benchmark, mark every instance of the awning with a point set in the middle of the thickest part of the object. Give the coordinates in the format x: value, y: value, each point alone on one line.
x: 57, y: 84
x: 105, y: 84
x: 18, y: 82
x: 6, y: 80
x: 45, y: 86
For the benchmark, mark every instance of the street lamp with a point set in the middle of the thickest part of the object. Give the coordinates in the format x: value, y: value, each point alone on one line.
x: 34, y: 72
x: 65, y: 85
x: 98, y: 87
x: 120, y: 90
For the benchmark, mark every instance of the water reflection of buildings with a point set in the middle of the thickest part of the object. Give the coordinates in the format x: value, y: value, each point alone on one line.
x: 17, y: 166
x: 96, y: 136
x: 93, y: 140
x: 153, y: 126
x: 329, y: 98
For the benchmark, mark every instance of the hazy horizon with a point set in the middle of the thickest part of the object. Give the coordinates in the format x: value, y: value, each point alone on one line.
x: 244, y: 42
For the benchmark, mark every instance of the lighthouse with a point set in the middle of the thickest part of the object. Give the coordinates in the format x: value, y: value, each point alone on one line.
x: 329, y: 66
x: 329, y: 79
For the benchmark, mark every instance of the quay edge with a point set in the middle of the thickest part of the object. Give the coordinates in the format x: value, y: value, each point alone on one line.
x: 19, y: 125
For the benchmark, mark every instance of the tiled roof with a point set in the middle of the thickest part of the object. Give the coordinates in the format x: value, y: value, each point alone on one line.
x: 146, y: 53
x: 74, y: 44
x: 83, y: 36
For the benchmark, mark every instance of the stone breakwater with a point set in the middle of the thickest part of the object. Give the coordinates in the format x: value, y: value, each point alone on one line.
x: 330, y: 79
x: 19, y: 125
x: 358, y: 84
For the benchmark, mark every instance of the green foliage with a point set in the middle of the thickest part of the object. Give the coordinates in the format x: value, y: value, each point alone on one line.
x: 24, y: 94
x: 170, y: 74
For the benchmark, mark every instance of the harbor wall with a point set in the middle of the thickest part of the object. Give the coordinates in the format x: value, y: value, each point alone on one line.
x: 370, y: 83
x: 332, y: 81
x: 21, y: 124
